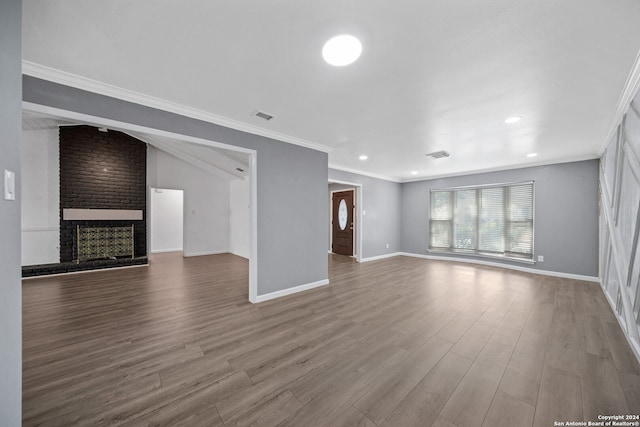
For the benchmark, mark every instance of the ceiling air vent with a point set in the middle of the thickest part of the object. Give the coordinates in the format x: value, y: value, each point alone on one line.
x: 263, y: 115
x: 438, y: 154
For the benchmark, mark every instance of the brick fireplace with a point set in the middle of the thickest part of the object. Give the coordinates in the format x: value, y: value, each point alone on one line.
x: 102, y: 184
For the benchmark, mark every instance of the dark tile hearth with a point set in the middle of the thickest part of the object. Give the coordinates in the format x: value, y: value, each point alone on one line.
x: 71, y: 267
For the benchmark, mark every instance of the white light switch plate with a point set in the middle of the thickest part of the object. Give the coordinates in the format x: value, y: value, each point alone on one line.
x: 9, y: 185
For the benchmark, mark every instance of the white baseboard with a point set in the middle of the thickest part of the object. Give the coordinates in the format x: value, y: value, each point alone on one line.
x: 190, y: 254
x: 375, y: 258
x: 501, y: 265
x: 289, y: 291
x: 237, y: 254
x: 161, y: 251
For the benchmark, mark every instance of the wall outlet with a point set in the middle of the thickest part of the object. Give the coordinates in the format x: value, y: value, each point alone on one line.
x: 540, y: 258
x: 387, y: 246
x: 364, y: 212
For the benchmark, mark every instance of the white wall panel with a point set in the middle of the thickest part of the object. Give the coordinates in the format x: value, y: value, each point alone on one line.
x: 620, y: 226
x: 609, y: 164
x: 632, y: 130
x: 40, y: 217
x: 628, y: 208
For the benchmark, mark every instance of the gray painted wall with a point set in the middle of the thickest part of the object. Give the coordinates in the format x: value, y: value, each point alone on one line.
x: 10, y: 287
x: 566, y: 213
x: 381, y: 200
x: 292, y: 182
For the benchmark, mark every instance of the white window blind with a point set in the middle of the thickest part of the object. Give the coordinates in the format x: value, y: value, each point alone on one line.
x: 441, y: 216
x: 495, y: 219
x: 465, y: 219
x: 491, y: 227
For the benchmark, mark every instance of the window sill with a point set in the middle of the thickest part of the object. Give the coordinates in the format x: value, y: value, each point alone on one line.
x: 482, y: 255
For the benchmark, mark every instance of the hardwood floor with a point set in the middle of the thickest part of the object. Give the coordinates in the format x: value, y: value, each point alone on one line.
x: 395, y: 342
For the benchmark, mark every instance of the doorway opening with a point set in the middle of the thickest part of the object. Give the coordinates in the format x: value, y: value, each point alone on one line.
x: 174, y: 144
x: 342, y: 222
x: 345, y: 218
x: 167, y: 220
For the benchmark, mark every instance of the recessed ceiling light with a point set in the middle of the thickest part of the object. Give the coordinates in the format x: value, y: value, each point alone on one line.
x: 532, y: 154
x: 342, y: 50
x: 414, y: 172
x: 513, y: 119
x: 363, y: 157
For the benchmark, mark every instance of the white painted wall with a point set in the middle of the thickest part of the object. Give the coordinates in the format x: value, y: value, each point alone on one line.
x: 40, y: 197
x: 239, y: 236
x: 166, y: 216
x: 206, y: 202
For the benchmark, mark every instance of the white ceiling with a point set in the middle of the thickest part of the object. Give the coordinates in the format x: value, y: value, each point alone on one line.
x: 433, y: 75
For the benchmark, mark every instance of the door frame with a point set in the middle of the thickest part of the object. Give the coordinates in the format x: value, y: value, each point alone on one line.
x: 124, y: 126
x: 357, y: 228
x: 354, y: 233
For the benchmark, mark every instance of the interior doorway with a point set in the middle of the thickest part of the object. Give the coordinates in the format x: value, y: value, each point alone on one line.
x: 342, y: 222
x: 353, y: 219
x: 167, y: 220
x: 64, y: 117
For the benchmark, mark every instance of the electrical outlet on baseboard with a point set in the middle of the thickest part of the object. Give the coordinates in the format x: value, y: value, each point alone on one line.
x: 540, y: 258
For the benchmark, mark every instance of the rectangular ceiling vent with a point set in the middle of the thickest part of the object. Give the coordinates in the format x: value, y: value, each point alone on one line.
x: 263, y: 115
x: 438, y: 154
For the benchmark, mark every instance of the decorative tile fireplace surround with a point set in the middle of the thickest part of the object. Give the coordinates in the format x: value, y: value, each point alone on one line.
x: 102, y: 185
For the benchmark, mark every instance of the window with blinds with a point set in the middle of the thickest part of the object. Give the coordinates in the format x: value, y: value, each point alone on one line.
x: 493, y: 220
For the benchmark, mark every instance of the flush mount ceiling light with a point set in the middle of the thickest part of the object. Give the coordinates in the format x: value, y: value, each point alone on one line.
x: 414, y: 172
x: 513, y: 119
x: 342, y: 50
x: 532, y: 154
x: 363, y: 157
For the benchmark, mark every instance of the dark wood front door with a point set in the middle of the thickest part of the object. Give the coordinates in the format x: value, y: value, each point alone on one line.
x: 342, y: 223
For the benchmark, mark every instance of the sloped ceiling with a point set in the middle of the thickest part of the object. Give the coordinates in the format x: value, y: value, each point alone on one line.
x: 225, y: 164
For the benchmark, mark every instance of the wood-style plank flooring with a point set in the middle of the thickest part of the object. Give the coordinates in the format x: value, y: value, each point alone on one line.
x: 395, y: 342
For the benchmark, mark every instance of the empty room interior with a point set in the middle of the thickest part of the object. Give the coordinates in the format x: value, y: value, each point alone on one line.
x: 332, y: 214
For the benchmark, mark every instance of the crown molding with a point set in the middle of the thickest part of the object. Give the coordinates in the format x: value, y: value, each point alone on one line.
x: 505, y: 168
x: 68, y: 79
x: 631, y: 87
x: 465, y: 173
x: 358, y: 172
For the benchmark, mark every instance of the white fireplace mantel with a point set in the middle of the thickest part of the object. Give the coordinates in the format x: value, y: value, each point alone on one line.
x: 101, y: 214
